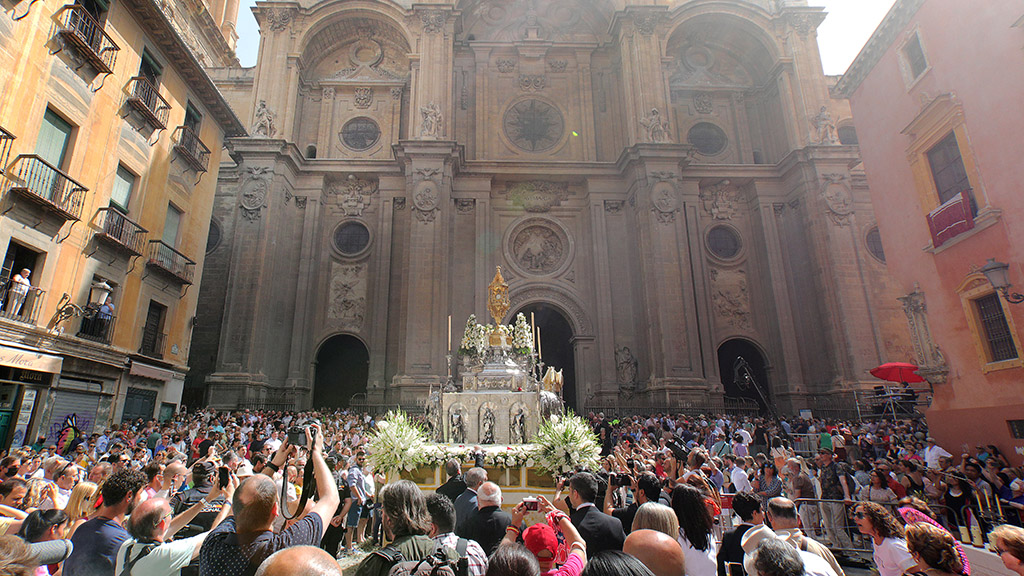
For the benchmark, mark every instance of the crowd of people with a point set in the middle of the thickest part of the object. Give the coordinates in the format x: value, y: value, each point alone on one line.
x: 254, y: 492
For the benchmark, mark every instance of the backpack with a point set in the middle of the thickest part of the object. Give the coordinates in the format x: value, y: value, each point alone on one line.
x: 437, y: 564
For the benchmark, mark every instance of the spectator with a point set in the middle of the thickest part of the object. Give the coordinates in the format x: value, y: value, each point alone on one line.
x: 737, y: 476
x: 44, y: 525
x: 241, y: 543
x: 174, y: 477
x: 616, y: 563
x: 65, y: 477
x: 465, y: 504
x: 155, y: 480
x: 656, y: 516
x: 542, y: 540
x: 299, y: 560
x: 878, y: 490
x: 784, y: 521
x: 747, y: 506
x: 442, y: 530
x: 835, y: 489
x: 933, y: 452
x: 407, y: 523
x: 488, y: 525
x: 513, y: 560
x: 358, y: 495
x: 81, y: 505
x: 456, y: 484
x: 695, y: 523
x: 661, y: 553
x: 600, y: 531
x: 97, y: 541
x: 201, y: 486
x: 13, y: 492
x: 933, y: 549
x: 889, y: 549
x: 646, y: 488
x: 1008, y: 543
x: 16, y: 558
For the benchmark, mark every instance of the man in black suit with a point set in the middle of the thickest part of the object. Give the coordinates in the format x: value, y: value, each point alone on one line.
x: 455, y: 485
x: 466, y: 504
x: 747, y: 506
x: 646, y: 488
x: 488, y: 525
x: 600, y: 531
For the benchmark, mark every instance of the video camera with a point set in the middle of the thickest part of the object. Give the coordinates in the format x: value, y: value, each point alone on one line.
x: 297, y: 434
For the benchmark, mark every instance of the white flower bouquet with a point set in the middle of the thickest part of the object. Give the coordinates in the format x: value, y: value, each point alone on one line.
x: 397, y: 444
x: 566, y: 444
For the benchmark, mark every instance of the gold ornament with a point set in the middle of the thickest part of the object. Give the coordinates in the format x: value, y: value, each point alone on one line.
x: 497, y: 304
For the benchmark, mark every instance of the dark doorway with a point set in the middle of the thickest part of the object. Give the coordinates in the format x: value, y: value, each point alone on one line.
x: 342, y: 370
x: 734, y: 371
x: 556, y: 345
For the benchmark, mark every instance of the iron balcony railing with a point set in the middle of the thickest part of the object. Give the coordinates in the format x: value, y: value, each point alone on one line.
x: 40, y: 182
x: 21, y: 302
x: 82, y: 31
x: 163, y: 257
x: 152, y: 344
x: 6, y: 140
x: 146, y: 99
x: 120, y: 231
x: 97, y: 326
x: 191, y: 148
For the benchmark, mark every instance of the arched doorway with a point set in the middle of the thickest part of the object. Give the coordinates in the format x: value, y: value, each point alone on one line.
x: 737, y: 358
x: 342, y: 369
x: 556, y: 345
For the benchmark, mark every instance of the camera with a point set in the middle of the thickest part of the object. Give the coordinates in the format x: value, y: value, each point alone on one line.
x: 297, y: 435
x: 678, y: 449
x: 531, y: 504
x: 223, y: 477
x: 620, y: 480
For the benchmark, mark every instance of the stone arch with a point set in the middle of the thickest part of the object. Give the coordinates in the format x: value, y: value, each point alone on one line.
x: 745, y: 18
x: 327, y: 14
x: 557, y: 21
x: 337, y: 24
x: 341, y: 370
x: 758, y: 365
x: 556, y: 296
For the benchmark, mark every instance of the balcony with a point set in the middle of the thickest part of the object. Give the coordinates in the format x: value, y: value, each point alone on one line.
x: 120, y: 232
x: 6, y: 139
x: 40, y: 182
x: 191, y: 148
x: 97, y: 325
x: 166, y: 259
x: 147, y: 101
x: 78, y: 28
x: 21, y: 303
x: 951, y: 219
x: 152, y: 343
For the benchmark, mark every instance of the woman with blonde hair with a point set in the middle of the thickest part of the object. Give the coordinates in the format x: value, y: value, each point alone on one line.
x: 1008, y: 542
x: 81, y: 504
x: 934, y: 550
x: 655, y: 516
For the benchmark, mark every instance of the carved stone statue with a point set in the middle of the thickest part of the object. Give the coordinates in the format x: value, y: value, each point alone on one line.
x: 625, y: 367
x: 655, y: 128
x: 432, y: 121
x: 517, y: 431
x: 826, y: 128
x: 487, y: 427
x: 457, y: 429
x: 263, y: 124
x: 433, y: 416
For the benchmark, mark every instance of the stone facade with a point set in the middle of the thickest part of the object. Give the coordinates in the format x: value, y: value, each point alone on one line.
x: 667, y: 177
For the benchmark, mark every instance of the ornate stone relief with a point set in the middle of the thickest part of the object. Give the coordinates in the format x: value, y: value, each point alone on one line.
x: 487, y: 422
x: 802, y: 23
x: 505, y: 65
x: 279, y: 18
x: 347, y: 303
x: 664, y: 200
x: 465, y: 205
x: 929, y: 356
x: 400, y: 203
x: 720, y: 200
x: 426, y: 194
x: 703, y: 102
x: 626, y: 371
x: 730, y: 298
x: 396, y: 93
x: 824, y: 128
x: 613, y: 206
x: 558, y: 65
x: 537, y: 195
x: 353, y: 195
x: 364, y: 97
x: 655, y: 128
x: 646, y: 23
x: 254, y: 188
x: 433, y: 21
x: 837, y: 197
x: 464, y: 92
x: 538, y: 247
x: 532, y: 82
x: 300, y: 202
x: 263, y: 122
x: 328, y: 93
x: 432, y: 126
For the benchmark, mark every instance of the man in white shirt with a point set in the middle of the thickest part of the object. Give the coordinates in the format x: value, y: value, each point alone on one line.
x: 739, y: 478
x: 273, y: 442
x: 65, y: 479
x: 932, y: 453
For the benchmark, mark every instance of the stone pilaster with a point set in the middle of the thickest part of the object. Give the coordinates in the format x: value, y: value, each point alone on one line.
x: 643, y: 81
x: 432, y: 73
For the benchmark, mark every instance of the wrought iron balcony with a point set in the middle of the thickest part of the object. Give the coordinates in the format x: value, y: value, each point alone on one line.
x: 952, y: 218
x: 191, y: 148
x: 6, y: 139
x: 97, y: 325
x: 144, y: 97
x: 40, y: 182
x: 152, y: 344
x: 21, y: 302
x: 120, y: 231
x: 168, y: 260
x: 81, y: 30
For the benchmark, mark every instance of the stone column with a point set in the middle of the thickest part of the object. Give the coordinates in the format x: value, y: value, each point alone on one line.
x: 803, y: 81
x: 276, y: 79
x: 643, y: 80
x: 433, y: 79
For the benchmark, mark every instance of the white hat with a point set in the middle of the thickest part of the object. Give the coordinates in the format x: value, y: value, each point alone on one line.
x: 751, y: 540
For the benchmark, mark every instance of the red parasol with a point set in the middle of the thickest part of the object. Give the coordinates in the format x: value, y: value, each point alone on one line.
x: 897, y: 372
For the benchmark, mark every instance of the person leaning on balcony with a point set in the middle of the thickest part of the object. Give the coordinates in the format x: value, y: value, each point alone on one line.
x: 17, y: 290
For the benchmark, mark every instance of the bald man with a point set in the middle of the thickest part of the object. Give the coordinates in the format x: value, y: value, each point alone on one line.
x: 488, y: 525
x: 657, y: 550
x: 300, y: 561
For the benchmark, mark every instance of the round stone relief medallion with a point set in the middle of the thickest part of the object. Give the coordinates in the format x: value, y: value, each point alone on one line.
x: 424, y: 196
x: 533, y: 125
x: 538, y: 247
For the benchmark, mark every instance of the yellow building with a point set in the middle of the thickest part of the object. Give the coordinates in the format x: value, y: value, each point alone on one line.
x: 112, y: 137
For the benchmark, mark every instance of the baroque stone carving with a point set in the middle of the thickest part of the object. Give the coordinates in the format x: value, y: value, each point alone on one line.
x: 465, y: 205
x: 505, y: 65
x: 930, y: 358
x: 254, y: 188
x: 328, y: 93
x: 353, y: 195
x: 300, y: 202
x: 456, y: 424
x: 537, y: 195
x: 538, y: 249
x: 517, y: 425
x: 655, y: 128
x: 279, y: 18
x: 364, y: 97
x: 263, y: 122
x: 432, y: 125
x: 396, y: 93
x: 703, y: 102
x: 720, y: 200
x: 730, y: 298
x: 558, y: 65
x: 626, y: 367
x: 487, y: 424
x: 664, y: 200
x: 433, y: 21
x: 647, y: 22
x: 802, y: 23
x: 347, y: 303
x: 825, y: 128
x: 532, y: 82
x: 613, y: 205
x: 425, y: 199
x: 400, y: 203
x: 837, y: 197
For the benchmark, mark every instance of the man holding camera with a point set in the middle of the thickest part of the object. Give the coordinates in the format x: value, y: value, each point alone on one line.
x: 646, y: 488
x: 239, y: 544
x: 600, y: 531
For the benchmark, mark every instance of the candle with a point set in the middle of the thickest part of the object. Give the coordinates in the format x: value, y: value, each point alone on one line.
x: 533, y: 324
x: 449, y: 332
x: 540, y: 356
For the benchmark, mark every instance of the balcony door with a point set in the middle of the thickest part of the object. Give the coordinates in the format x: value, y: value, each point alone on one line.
x: 152, y: 332
x: 52, y: 146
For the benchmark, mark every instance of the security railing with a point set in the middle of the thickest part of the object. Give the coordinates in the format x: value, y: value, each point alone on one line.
x: 82, y: 31
x: 6, y: 140
x: 146, y: 99
x: 42, y: 183
x: 98, y: 327
x: 120, y: 231
x: 163, y: 257
x: 191, y: 148
x: 21, y: 302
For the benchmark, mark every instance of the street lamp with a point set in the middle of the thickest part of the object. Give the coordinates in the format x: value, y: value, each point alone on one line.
x: 998, y: 275
x: 99, y: 292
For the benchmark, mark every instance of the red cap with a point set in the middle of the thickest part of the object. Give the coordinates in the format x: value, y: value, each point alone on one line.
x: 540, y: 537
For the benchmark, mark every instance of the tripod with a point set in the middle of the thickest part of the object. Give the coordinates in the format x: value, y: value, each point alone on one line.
x: 743, y: 376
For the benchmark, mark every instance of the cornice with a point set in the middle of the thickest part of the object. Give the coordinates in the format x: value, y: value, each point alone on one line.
x: 882, y: 38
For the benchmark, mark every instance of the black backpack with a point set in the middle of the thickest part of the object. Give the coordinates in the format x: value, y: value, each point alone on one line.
x: 437, y: 564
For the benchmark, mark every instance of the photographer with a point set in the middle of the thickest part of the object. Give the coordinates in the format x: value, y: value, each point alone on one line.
x: 645, y: 487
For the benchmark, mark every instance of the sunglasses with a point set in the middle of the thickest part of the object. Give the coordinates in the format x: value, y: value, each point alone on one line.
x: 860, y: 515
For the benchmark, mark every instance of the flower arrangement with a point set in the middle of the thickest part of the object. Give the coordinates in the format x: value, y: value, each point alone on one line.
x: 522, y: 336
x: 566, y: 444
x: 475, y: 337
x: 397, y: 444
x: 509, y: 456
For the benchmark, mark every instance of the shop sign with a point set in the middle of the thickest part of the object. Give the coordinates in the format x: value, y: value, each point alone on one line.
x: 28, y: 360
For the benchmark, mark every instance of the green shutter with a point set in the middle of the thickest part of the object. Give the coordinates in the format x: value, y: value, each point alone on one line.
x: 121, y: 193
x: 54, y: 136
x: 171, y: 225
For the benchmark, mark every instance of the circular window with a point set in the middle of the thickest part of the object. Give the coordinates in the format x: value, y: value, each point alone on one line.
x: 707, y: 138
x: 351, y: 238
x: 874, y: 242
x: 533, y: 125
x: 213, y: 237
x: 723, y: 242
x: 360, y: 133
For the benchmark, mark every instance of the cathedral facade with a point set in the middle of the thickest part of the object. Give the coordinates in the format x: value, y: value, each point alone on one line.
x: 667, y: 186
